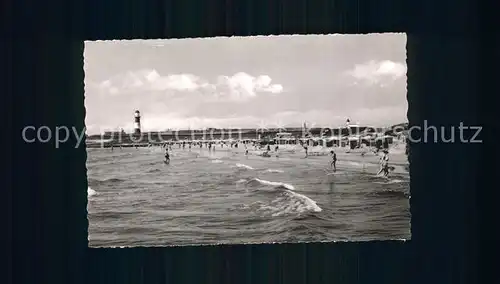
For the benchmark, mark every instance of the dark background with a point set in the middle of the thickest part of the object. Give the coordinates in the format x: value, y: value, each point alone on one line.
x: 45, y: 202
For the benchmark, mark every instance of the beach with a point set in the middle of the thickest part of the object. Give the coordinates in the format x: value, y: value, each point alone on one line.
x: 226, y: 197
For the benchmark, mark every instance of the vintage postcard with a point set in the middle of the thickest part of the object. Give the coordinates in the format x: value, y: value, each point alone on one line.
x: 237, y: 140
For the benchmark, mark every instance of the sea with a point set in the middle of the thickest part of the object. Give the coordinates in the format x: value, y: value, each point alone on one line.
x: 226, y: 197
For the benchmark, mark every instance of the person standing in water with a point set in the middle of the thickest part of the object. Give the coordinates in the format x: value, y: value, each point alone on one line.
x: 363, y: 156
x: 167, y: 157
x: 305, y: 148
x: 333, y: 164
x: 384, y: 163
x: 246, y: 150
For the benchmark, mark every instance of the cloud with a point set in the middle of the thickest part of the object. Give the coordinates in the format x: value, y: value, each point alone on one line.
x: 377, y: 72
x: 177, y: 82
x: 240, y: 86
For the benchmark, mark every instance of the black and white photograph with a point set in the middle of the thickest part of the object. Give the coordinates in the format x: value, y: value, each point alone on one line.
x: 247, y: 140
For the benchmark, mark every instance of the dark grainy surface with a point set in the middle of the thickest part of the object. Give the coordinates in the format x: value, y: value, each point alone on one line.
x: 225, y: 197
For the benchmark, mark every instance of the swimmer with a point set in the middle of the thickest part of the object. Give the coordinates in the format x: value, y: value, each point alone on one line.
x: 333, y: 164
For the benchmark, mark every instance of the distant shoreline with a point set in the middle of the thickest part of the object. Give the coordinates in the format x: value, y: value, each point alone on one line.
x: 246, y: 131
x: 249, y: 133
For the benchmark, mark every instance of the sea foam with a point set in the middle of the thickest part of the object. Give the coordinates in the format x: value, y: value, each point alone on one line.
x: 91, y: 192
x: 275, y: 183
x: 274, y: 171
x: 305, y: 203
x: 289, y: 202
x: 243, y: 166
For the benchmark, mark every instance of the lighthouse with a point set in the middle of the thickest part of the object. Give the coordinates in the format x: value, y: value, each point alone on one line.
x: 137, y: 122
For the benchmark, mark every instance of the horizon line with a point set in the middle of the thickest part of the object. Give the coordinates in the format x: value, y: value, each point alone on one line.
x: 284, y: 129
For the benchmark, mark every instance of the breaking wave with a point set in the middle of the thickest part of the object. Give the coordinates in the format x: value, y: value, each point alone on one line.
x: 286, y: 202
x: 274, y: 171
x: 243, y: 166
x: 275, y: 184
x: 91, y: 192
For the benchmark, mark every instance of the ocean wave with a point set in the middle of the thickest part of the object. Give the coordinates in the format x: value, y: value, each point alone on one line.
x: 216, y: 161
x: 274, y: 171
x: 113, y: 180
x: 274, y: 184
x: 104, y: 181
x: 301, y: 203
x: 390, y: 181
x: 392, y: 192
x: 91, y: 192
x: 243, y: 166
x: 288, y: 202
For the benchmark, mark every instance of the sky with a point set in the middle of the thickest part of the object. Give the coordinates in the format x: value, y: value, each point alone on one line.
x: 246, y: 82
